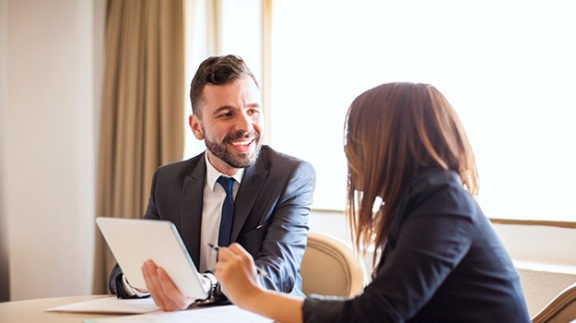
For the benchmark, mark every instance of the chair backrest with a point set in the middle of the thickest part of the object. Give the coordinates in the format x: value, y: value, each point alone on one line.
x: 561, y: 309
x: 329, y: 267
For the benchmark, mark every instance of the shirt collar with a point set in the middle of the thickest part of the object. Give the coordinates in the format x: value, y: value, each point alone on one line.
x: 212, y: 174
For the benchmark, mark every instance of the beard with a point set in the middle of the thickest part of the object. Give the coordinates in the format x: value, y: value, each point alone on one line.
x: 220, y: 150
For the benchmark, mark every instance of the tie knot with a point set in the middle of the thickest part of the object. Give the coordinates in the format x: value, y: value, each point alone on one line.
x: 227, y: 183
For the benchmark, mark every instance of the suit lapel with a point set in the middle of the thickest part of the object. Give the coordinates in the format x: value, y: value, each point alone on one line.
x: 248, y: 192
x: 191, y: 212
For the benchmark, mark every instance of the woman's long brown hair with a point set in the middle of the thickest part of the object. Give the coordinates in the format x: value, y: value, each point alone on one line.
x: 394, y: 132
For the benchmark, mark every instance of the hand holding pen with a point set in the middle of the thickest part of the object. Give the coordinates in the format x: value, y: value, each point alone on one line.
x: 260, y: 271
x: 237, y: 274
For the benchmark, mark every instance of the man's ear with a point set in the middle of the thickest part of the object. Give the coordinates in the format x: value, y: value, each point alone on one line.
x: 196, y: 127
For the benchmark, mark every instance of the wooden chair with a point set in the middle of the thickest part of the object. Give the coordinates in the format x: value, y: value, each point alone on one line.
x: 561, y: 309
x: 329, y: 267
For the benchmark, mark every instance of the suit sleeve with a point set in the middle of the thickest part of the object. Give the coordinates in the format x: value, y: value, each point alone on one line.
x: 284, y: 243
x: 115, y: 278
x: 152, y: 209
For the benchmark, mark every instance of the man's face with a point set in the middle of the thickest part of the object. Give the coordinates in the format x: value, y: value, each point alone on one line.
x: 230, y: 124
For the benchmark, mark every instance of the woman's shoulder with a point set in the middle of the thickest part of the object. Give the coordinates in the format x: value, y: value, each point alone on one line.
x: 439, y: 191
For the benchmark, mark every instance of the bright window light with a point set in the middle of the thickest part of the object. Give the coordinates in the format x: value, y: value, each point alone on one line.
x: 507, y: 67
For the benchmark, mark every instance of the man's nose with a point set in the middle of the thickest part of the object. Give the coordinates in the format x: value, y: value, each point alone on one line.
x: 244, y: 122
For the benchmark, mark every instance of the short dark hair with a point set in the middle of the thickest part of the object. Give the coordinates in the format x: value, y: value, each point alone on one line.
x: 217, y: 70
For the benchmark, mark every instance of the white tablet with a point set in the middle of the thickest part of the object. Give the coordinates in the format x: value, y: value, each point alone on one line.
x: 133, y: 241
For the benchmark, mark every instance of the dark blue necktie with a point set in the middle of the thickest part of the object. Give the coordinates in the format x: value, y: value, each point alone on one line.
x: 227, y: 211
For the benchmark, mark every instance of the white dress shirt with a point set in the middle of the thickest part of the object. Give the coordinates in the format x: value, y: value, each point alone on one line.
x: 214, y: 196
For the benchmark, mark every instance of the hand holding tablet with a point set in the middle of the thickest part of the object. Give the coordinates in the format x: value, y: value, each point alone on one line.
x: 133, y: 241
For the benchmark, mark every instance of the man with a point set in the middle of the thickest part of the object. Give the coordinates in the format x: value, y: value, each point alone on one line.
x: 272, y: 192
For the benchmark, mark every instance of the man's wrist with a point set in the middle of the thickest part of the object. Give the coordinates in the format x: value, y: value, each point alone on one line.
x: 125, y: 290
x: 215, y: 293
x: 208, y: 281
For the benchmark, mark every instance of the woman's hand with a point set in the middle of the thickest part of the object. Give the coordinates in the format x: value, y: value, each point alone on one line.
x: 236, y: 272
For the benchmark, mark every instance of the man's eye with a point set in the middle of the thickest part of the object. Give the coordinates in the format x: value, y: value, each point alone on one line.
x: 254, y: 112
x: 225, y: 114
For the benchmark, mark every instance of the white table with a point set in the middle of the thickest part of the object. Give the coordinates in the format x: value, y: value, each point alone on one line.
x: 33, y: 310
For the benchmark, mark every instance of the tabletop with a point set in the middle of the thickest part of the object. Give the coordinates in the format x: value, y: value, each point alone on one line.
x: 34, y: 310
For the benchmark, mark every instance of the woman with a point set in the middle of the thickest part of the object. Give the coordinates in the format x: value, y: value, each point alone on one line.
x: 409, y: 157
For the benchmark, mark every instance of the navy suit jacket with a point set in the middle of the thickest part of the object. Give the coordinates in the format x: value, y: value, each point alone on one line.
x: 443, y: 262
x: 270, y: 212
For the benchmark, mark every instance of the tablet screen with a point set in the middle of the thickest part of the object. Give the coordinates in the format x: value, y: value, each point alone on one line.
x: 133, y: 241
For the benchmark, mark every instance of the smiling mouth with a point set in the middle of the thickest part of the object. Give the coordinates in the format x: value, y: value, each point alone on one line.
x: 244, y: 142
x: 243, y: 145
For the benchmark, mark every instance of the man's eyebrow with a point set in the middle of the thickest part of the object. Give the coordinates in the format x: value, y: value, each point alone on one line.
x: 231, y: 107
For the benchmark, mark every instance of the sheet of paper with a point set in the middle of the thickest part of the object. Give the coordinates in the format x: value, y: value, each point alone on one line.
x: 110, y: 305
x: 214, y: 314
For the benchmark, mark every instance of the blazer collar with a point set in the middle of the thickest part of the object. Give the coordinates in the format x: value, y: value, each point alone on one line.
x: 193, y: 197
x: 191, y: 209
x: 254, y: 177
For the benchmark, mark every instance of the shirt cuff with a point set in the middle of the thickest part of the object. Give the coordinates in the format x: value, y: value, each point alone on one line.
x: 209, y: 282
x: 131, y: 291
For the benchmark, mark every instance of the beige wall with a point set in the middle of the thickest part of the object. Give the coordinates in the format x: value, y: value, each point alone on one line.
x: 4, y: 281
x: 544, y: 257
x: 51, y: 58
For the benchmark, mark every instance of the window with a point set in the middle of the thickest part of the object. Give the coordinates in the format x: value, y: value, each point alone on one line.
x: 507, y: 67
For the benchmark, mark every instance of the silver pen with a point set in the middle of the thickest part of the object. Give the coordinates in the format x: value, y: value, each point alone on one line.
x: 258, y: 270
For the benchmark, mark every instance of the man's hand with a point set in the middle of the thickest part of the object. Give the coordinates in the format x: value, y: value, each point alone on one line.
x: 165, y: 294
